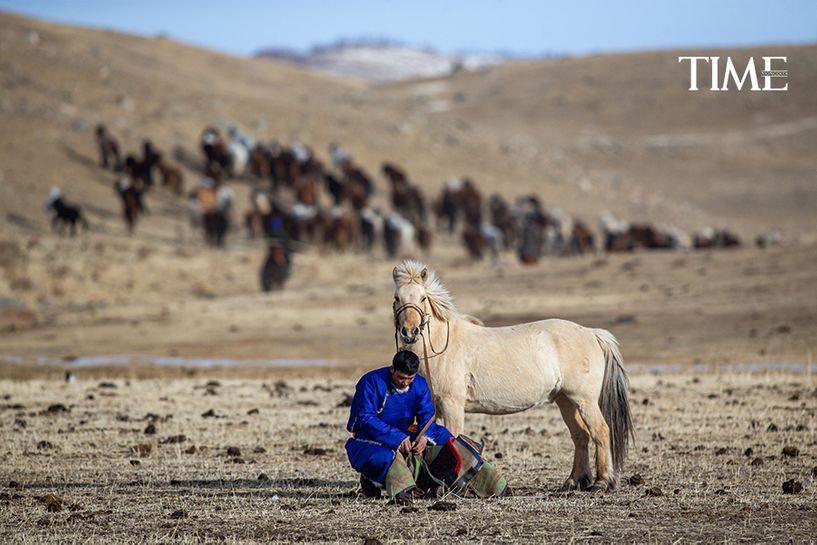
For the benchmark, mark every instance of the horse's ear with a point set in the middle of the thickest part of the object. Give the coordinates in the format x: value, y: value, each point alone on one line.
x: 424, y: 275
x: 394, y: 274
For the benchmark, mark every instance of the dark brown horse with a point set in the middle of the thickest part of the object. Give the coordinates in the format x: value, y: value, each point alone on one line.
x: 715, y: 238
x: 108, y: 148
x: 400, y: 191
x: 473, y: 241
x: 581, y: 239
x: 150, y: 159
x: 285, y: 169
x: 132, y: 204
x: 639, y: 236
x: 357, y: 187
x: 471, y: 200
x: 172, y: 176
x: 448, y: 206
x: 502, y: 218
x: 215, y: 149
x: 64, y: 214
x: 276, y: 268
x: 342, y: 230
x: 261, y: 161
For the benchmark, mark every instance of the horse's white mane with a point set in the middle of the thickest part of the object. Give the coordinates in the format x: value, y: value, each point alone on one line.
x: 440, y: 299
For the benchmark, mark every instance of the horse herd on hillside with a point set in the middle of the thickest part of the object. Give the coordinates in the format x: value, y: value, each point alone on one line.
x: 297, y: 199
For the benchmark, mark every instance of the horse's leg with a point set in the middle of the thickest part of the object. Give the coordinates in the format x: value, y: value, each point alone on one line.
x: 581, y: 476
x: 600, y: 432
x: 452, y: 411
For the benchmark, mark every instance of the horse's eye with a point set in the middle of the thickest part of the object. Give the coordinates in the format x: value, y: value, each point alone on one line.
x: 423, y: 300
x: 396, y: 299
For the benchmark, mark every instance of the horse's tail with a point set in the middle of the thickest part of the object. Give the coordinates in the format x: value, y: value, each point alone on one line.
x: 614, y: 400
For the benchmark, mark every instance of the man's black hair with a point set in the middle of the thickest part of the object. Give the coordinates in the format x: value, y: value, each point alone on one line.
x: 406, y: 362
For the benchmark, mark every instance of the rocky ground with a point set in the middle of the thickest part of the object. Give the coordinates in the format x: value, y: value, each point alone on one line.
x: 728, y: 457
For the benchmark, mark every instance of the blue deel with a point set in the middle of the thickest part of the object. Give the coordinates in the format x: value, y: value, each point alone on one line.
x: 380, y: 418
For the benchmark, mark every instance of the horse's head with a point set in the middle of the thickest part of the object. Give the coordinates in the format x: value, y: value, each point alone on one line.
x: 410, y: 307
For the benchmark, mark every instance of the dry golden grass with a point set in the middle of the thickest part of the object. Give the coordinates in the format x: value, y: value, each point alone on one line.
x: 699, y: 485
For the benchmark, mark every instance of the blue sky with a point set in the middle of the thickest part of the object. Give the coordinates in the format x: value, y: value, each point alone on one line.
x: 523, y: 27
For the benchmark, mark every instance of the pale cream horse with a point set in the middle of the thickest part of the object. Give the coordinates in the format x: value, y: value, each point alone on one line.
x: 504, y: 370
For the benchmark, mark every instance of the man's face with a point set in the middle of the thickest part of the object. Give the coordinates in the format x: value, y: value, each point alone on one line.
x: 400, y: 379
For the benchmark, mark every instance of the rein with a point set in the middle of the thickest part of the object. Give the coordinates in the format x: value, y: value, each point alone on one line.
x: 425, y: 319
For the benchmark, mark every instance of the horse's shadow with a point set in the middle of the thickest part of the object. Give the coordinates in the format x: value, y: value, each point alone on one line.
x: 78, y: 157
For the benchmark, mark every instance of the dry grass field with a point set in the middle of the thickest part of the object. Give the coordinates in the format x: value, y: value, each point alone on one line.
x: 138, y: 460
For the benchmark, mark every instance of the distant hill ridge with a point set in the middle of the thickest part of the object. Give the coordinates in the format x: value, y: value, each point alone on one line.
x: 382, y: 59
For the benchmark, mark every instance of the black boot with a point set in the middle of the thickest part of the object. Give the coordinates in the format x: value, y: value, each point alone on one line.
x: 368, y: 488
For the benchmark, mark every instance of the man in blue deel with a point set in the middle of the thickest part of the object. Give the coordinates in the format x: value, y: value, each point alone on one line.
x: 394, y: 447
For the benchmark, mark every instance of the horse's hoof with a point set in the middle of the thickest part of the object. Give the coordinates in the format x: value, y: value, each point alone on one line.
x: 585, y: 482
x: 582, y: 483
x: 568, y: 486
x: 599, y: 486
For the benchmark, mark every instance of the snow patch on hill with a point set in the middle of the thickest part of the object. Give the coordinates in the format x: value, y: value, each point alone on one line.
x: 383, y: 62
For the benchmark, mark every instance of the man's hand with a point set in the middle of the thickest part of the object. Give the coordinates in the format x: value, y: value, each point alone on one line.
x: 420, y: 445
x: 405, y: 446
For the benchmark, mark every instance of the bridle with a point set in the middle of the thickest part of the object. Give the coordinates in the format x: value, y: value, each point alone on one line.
x: 425, y: 319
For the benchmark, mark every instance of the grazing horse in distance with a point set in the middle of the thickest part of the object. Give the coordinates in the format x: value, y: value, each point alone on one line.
x: 709, y: 237
x: 214, y: 149
x: 398, y: 235
x: 471, y: 202
x: 342, y: 229
x: 621, y: 236
x: 278, y: 264
x: 305, y: 223
x: 537, y: 230
x: 581, y: 239
x: 400, y: 197
x: 449, y: 205
x: 371, y: 225
x: 213, y: 202
x: 504, y: 370
x: 150, y: 158
x: 108, y: 148
x: 339, y: 156
x: 237, y: 158
x: 357, y: 187
x: 136, y: 171
x: 616, y: 233
x: 172, y: 176
x: 478, y: 239
x: 531, y: 241
x: 261, y: 210
x: 423, y: 238
x: 260, y: 161
x: 473, y: 241
x: 64, y: 213
x: 132, y: 204
x: 334, y: 186
x: 502, y: 218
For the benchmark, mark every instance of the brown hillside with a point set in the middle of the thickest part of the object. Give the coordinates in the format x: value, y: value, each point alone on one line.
x: 613, y: 132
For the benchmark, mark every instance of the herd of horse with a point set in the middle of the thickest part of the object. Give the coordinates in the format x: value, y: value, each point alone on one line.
x: 298, y: 199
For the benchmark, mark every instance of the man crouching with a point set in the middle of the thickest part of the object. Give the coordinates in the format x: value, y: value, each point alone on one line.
x: 396, y: 445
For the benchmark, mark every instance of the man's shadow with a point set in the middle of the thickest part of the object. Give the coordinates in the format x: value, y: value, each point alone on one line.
x: 282, y: 488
